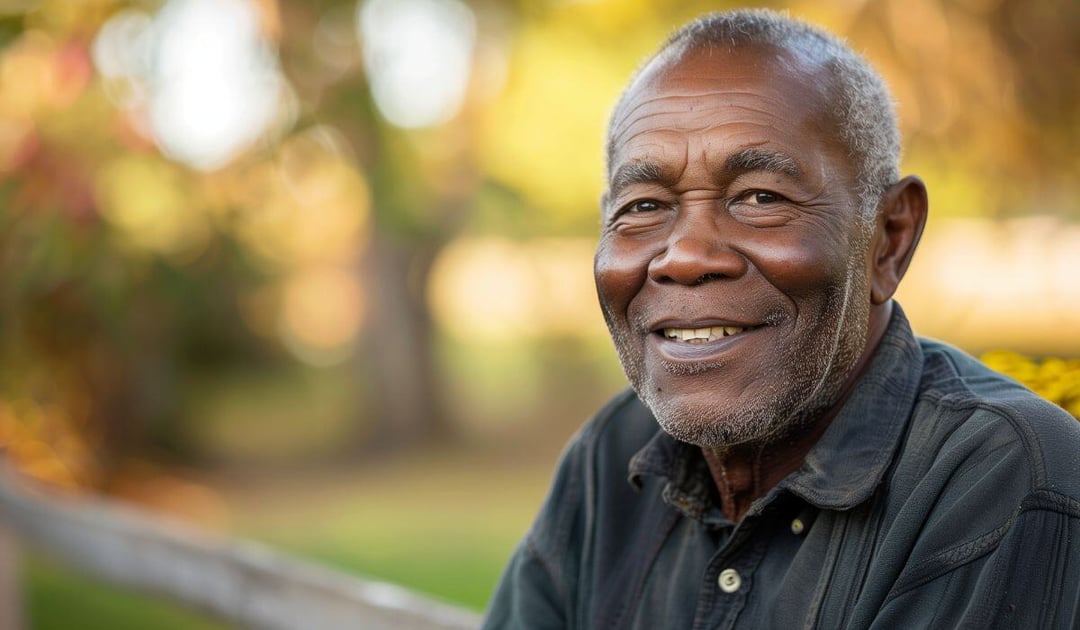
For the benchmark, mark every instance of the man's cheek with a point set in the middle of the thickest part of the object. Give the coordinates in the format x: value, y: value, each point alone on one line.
x: 616, y: 282
x: 796, y: 267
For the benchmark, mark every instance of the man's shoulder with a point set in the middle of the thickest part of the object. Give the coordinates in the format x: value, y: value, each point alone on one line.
x: 985, y: 490
x: 975, y: 414
x: 594, y: 463
x: 622, y: 427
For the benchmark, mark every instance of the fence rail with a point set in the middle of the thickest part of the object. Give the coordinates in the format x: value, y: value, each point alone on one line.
x: 237, y: 581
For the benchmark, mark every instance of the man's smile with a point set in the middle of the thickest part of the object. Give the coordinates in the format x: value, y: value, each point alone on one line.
x: 699, y: 341
x: 701, y: 335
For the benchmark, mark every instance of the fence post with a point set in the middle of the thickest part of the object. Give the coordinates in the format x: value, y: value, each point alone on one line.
x: 238, y: 581
x: 10, y: 591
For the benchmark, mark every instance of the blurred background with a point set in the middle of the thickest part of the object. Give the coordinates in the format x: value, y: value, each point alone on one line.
x: 318, y: 273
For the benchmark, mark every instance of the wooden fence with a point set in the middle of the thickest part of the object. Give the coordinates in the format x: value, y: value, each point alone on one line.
x: 238, y: 582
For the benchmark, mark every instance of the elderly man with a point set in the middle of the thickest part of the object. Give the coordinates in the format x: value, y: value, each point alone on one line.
x: 790, y: 455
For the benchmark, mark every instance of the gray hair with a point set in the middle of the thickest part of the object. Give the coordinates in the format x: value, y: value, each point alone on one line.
x: 861, y: 105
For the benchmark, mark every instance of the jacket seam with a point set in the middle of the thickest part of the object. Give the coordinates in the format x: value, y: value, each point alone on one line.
x: 591, y: 438
x: 534, y: 550
x: 964, y: 553
x: 1051, y: 501
x: 951, y: 558
x: 585, y: 445
x: 1004, y: 411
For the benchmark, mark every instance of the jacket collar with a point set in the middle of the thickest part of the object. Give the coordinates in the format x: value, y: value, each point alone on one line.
x: 851, y: 459
x: 846, y: 465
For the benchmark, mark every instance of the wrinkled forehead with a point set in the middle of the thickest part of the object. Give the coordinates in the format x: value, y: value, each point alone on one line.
x: 791, y: 83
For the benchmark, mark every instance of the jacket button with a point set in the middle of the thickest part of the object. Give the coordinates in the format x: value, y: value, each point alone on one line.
x: 729, y: 580
x: 798, y: 526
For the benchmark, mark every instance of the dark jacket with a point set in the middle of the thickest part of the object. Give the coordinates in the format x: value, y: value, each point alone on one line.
x: 943, y: 495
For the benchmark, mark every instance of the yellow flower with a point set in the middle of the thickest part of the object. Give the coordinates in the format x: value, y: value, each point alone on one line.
x: 1056, y: 379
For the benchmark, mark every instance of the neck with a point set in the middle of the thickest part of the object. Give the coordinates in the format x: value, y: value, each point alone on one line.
x: 745, y: 472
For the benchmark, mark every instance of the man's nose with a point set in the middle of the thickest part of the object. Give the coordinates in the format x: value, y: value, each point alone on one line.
x: 697, y: 252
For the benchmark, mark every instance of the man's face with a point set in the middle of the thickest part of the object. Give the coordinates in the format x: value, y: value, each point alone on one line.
x: 733, y: 268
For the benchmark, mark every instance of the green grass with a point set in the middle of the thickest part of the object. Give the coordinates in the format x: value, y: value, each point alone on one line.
x: 446, y: 530
x: 454, y: 567
x: 55, y: 598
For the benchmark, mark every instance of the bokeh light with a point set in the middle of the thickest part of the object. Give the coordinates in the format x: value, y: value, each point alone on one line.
x: 418, y: 54
x: 322, y: 314
x: 493, y: 290
x: 201, y: 72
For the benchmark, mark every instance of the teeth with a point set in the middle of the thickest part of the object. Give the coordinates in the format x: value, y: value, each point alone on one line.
x: 702, y: 335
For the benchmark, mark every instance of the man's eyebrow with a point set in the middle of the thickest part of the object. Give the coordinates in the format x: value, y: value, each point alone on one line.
x: 755, y: 159
x: 748, y: 159
x: 636, y: 172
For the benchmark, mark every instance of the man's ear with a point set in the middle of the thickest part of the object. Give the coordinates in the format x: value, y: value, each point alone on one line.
x: 901, y: 217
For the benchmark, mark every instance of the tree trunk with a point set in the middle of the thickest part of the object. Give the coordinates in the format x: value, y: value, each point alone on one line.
x: 10, y: 590
x: 405, y: 405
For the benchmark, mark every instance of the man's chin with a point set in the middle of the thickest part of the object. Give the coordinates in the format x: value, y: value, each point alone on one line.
x: 711, y: 427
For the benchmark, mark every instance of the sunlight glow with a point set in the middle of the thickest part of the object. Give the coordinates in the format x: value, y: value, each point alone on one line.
x: 418, y: 55
x: 201, y: 71
x: 122, y: 46
x: 491, y: 290
x: 216, y: 81
x: 986, y: 284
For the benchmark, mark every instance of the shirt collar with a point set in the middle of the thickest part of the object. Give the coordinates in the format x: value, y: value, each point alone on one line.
x: 683, y: 466
x: 848, y: 462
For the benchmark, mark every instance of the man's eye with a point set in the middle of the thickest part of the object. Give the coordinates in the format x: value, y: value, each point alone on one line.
x: 645, y: 205
x: 762, y: 198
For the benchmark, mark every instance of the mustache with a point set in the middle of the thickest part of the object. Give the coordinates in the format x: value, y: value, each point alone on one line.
x: 640, y: 321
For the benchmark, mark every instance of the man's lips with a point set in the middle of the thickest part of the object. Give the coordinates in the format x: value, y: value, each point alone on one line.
x: 698, y: 340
